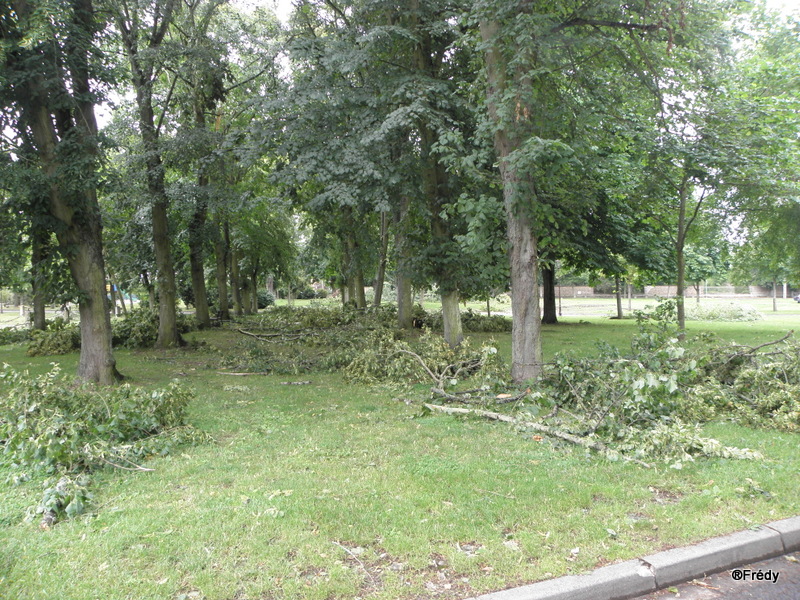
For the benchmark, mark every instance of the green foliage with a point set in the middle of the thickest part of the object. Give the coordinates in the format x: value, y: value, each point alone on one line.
x: 139, y: 328
x: 60, y: 337
x: 725, y: 312
x: 65, y: 497
x: 384, y: 358
x: 755, y: 389
x: 265, y: 299
x: 9, y: 335
x: 57, y: 425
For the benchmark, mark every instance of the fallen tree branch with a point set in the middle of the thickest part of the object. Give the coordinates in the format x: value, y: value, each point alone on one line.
x: 280, y: 336
x: 598, y: 447
x: 753, y: 349
x: 243, y: 374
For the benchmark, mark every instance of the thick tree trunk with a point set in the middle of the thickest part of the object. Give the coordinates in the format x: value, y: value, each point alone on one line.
x: 526, y: 347
x: 80, y: 231
x: 168, y: 336
x: 549, y: 309
x: 247, y: 296
x: 358, y: 283
x: 451, y: 318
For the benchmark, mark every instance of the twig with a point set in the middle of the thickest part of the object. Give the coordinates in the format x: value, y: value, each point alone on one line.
x: 355, y: 558
x: 134, y: 468
x: 424, y: 366
x: 764, y: 345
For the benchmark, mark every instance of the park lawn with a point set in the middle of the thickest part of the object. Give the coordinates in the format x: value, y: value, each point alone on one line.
x: 335, y: 490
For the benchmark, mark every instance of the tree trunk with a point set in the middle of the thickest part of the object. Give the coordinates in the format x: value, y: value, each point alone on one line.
x: 196, y: 263
x: 680, y: 244
x: 221, y: 251
x: 549, y: 309
x: 143, y: 78
x: 380, y: 277
x: 121, y: 297
x: 254, y: 286
x: 402, y: 282
x: 38, y: 256
x: 236, y: 285
x: 451, y: 318
x: 774, y: 296
x: 629, y: 287
x: 151, y: 291
x: 247, y: 296
x: 168, y: 336
x: 618, y: 295
x: 358, y: 284
x: 526, y: 347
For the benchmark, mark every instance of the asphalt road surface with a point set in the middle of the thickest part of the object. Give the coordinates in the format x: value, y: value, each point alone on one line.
x: 751, y: 582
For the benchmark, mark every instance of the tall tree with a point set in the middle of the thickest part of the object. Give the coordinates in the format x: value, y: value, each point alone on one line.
x: 49, y: 60
x: 142, y: 28
x: 531, y: 50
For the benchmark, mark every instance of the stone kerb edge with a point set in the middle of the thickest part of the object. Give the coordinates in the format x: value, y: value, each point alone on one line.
x: 641, y: 576
x: 789, y: 529
x: 714, y: 555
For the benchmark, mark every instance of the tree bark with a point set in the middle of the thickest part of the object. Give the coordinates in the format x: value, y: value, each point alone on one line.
x: 618, y: 295
x: 549, y: 309
x: 451, y: 318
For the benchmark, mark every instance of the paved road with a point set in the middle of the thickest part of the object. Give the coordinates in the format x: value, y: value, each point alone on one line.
x: 724, y: 585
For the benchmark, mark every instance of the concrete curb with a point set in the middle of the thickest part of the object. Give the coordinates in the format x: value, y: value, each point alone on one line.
x: 650, y: 573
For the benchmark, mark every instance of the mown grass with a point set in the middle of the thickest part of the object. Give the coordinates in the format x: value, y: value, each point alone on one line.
x: 331, y: 490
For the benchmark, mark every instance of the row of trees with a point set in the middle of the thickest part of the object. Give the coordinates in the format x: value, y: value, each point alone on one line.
x: 460, y: 144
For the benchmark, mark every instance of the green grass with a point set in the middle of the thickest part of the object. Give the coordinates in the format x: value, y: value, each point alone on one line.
x: 336, y: 491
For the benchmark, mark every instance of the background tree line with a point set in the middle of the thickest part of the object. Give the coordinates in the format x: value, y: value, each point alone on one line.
x: 465, y: 146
